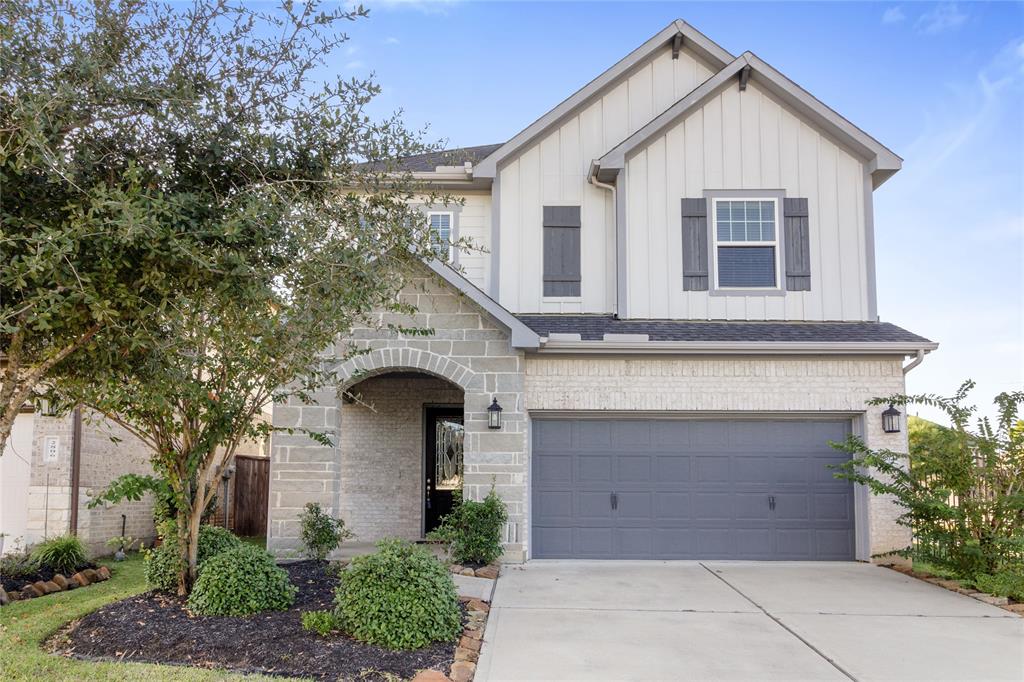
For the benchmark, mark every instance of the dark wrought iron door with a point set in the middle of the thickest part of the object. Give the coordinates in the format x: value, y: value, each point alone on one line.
x: 443, y: 471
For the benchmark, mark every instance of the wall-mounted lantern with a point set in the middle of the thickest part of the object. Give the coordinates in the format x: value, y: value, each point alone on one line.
x: 494, y: 415
x: 891, y: 420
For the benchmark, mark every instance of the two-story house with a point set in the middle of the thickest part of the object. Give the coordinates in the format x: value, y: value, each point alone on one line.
x: 675, y: 310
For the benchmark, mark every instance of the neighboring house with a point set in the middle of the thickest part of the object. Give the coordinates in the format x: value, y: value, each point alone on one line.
x: 39, y: 486
x: 676, y: 309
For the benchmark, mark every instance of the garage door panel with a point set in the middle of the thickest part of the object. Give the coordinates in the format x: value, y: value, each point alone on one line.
x: 673, y: 469
x: 634, y: 469
x: 554, y: 469
x: 594, y: 541
x: 554, y: 504
x: 592, y: 505
x: 689, y: 489
x: 631, y: 434
x: 672, y: 506
x: 595, y: 434
x: 594, y: 468
x: 553, y: 433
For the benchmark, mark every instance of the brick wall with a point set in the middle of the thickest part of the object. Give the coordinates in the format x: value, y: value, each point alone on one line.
x: 382, y: 454
x: 468, y: 349
x: 102, y: 460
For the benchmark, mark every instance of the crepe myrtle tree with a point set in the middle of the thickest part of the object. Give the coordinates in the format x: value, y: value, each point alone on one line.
x: 264, y: 211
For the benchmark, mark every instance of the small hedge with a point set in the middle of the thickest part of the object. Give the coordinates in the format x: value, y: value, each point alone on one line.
x: 239, y: 582
x: 473, y: 529
x: 400, y: 597
x: 163, y: 563
x: 321, y: 533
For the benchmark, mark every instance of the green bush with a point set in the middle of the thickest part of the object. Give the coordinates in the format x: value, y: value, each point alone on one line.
x: 321, y: 534
x: 239, y: 582
x: 16, y: 564
x: 1004, y: 584
x: 63, y: 554
x: 321, y: 622
x: 959, y: 488
x: 163, y: 564
x: 400, y: 597
x: 473, y: 529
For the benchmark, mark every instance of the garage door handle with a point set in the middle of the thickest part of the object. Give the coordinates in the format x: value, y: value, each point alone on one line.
x: 771, y: 502
x: 615, y: 501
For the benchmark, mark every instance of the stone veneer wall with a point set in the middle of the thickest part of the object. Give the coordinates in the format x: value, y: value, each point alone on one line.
x: 381, y: 464
x: 731, y: 384
x: 469, y: 349
x: 102, y: 460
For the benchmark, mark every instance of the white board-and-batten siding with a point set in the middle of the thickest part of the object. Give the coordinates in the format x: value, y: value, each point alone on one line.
x: 745, y: 140
x: 553, y: 171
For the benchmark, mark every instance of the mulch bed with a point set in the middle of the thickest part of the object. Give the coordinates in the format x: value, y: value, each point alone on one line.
x: 42, y: 573
x: 156, y: 628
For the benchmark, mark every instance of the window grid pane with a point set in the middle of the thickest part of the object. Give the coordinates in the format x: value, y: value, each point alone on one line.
x: 440, y: 232
x: 745, y: 221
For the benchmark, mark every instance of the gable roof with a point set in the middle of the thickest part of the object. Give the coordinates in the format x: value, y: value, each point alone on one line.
x: 882, y: 162
x: 428, y: 163
x: 693, y: 40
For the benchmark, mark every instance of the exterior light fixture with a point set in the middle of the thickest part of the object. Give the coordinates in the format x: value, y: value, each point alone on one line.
x: 891, y: 420
x: 494, y: 415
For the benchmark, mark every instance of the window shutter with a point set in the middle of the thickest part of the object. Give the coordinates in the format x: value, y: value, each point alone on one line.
x: 562, y: 251
x: 798, y: 244
x: 695, y: 244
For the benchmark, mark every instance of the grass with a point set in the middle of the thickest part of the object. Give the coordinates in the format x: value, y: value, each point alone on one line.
x: 25, y: 625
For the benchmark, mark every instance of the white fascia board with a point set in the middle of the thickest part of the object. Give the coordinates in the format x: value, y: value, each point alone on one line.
x: 693, y: 39
x: 521, y: 335
x: 881, y: 161
x: 735, y: 348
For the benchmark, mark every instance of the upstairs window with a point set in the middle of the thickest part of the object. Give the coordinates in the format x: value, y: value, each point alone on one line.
x: 746, y: 248
x: 440, y: 224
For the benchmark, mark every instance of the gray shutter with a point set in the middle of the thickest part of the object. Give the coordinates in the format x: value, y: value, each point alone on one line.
x: 798, y: 244
x: 562, y: 251
x: 695, y: 244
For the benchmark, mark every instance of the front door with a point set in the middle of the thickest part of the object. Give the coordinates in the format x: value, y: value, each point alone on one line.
x: 443, y: 470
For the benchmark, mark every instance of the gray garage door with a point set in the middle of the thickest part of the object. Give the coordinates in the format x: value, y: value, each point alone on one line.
x: 684, y: 489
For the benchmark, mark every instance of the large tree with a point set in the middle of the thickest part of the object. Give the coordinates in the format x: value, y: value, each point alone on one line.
x: 244, y: 215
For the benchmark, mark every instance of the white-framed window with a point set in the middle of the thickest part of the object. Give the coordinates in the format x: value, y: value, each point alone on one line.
x: 440, y: 225
x: 746, y: 242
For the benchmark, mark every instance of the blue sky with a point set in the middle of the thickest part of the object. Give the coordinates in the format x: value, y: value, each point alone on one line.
x: 941, y: 84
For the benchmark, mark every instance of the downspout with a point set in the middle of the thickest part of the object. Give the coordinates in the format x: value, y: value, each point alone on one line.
x: 592, y: 179
x: 914, y: 363
x: 76, y: 466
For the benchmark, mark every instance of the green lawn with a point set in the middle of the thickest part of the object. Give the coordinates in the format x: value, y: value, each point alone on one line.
x: 24, y: 625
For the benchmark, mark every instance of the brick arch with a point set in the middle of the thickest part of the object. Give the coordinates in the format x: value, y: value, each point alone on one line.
x: 387, y: 360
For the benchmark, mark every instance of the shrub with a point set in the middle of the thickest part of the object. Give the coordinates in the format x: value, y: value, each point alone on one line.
x: 473, y: 529
x: 321, y: 622
x: 1004, y: 584
x: 400, y: 597
x: 17, y: 565
x: 163, y: 564
x: 321, y: 534
x: 63, y: 554
x: 239, y: 582
x: 960, y: 486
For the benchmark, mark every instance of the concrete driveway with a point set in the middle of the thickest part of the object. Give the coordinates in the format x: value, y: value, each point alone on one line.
x: 740, y: 621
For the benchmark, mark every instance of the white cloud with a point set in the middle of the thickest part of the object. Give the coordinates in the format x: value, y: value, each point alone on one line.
x: 944, y: 17
x: 893, y: 15
x: 391, y: 40
x: 354, y: 65
x: 351, y: 50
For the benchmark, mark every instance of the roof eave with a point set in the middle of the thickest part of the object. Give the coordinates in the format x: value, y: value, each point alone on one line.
x: 904, y: 349
x: 520, y: 336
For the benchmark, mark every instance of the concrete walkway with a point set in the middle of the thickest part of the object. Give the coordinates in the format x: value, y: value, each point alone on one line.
x: 740, y: 621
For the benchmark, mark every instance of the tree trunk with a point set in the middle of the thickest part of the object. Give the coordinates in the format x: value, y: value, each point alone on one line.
x: 189, y: 521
